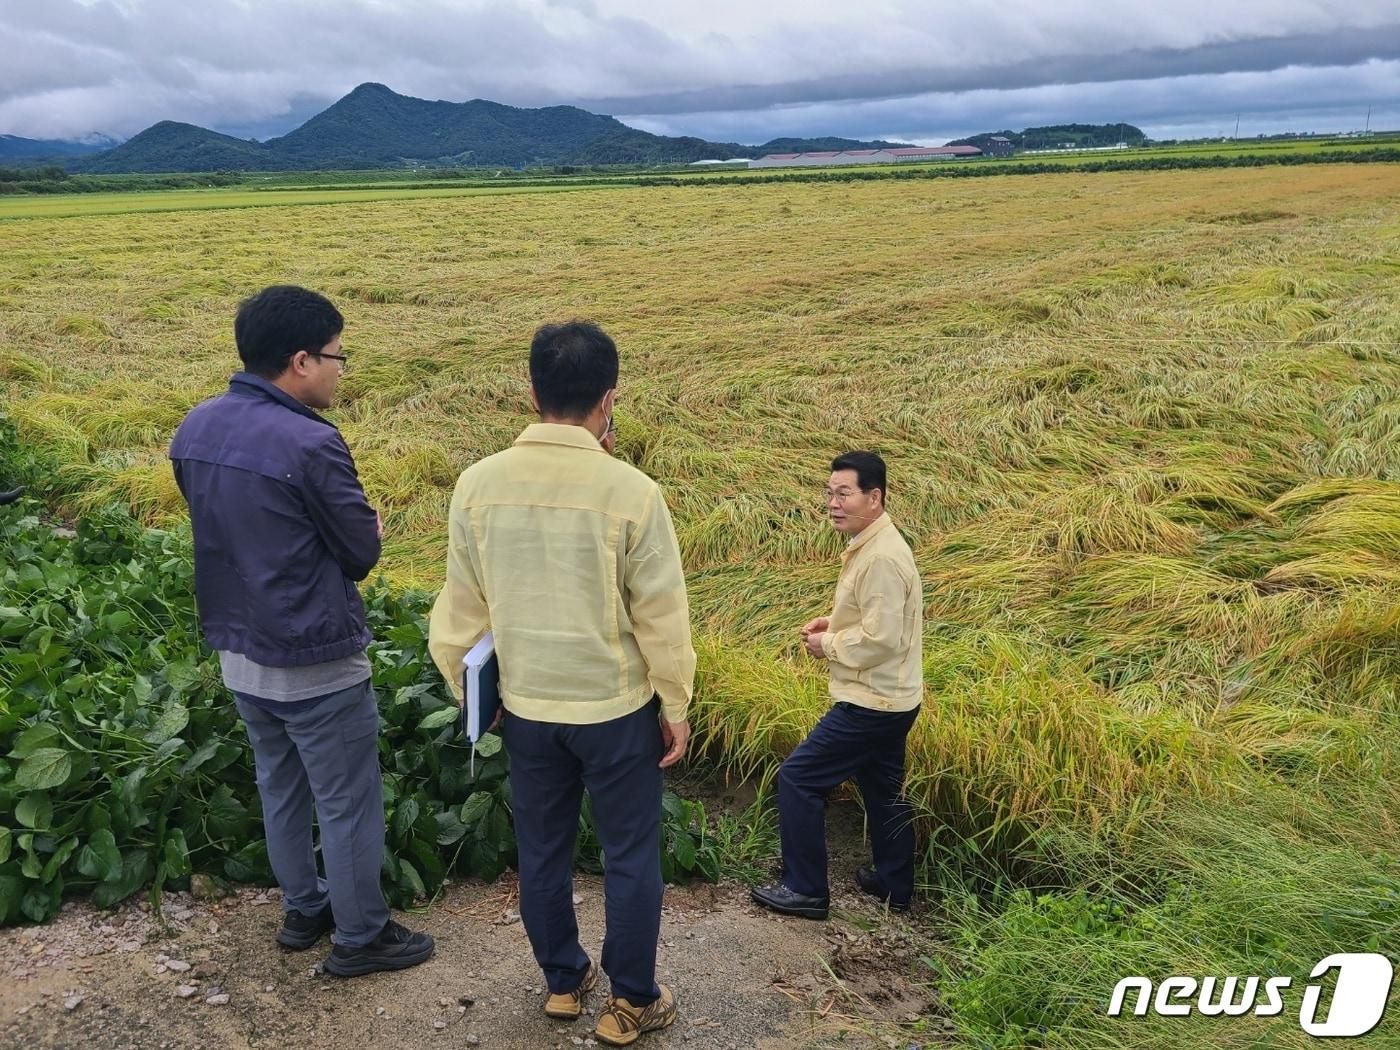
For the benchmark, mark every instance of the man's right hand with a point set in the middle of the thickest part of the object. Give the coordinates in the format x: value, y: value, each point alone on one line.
x: 675, y: 735
x: 819, y: 625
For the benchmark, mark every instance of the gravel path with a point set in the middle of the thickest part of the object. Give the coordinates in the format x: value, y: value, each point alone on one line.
x: 208, y: 974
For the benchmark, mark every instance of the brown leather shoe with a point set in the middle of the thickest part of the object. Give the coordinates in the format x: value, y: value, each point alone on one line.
x: 621, y: 1023
x: 567, y: 1006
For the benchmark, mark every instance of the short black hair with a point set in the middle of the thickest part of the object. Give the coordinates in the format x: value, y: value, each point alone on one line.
x: 572, y: 366
x: 273, y: 325
x: 869, y: 468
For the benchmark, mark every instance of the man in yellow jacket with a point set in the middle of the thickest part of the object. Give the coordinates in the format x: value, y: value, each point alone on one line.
x: 872, y: 643
x: 569, y: 558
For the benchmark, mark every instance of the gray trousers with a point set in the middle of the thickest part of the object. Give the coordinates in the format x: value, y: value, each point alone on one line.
x: 326, y: 753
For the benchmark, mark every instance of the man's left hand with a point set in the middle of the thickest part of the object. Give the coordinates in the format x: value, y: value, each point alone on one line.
x: 674, y: 735
x: 813, y: 642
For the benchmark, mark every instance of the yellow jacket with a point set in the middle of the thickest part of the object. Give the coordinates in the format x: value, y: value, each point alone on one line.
x: 874, y: 642
x: 569, y: 557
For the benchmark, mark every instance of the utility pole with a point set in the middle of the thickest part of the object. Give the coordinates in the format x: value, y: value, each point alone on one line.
x: 1237, y: 127
x: 1368, y: 121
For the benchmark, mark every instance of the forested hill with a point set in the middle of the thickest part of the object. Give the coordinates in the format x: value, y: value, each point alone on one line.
x: 1056, y: 136
x: 171, y: 146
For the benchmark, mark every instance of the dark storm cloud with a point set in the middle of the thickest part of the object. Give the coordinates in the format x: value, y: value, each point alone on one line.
x: 1292, y: 99
x: 1330, y: 49
x: 728, y: 69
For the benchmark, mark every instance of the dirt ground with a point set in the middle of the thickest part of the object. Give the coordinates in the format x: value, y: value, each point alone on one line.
x: 209, y: 974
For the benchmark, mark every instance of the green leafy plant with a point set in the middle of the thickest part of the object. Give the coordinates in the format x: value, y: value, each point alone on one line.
x: 124, y: 761
x: 688, y: 849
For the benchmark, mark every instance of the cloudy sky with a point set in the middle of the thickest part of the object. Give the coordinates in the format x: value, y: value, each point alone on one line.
x: 730, y: 70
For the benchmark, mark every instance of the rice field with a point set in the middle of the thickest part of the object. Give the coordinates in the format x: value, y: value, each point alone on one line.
x: 1144, y: 436
x: 78, y: 205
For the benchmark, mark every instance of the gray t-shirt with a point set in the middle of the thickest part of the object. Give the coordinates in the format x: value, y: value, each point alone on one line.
x: 289, y: 684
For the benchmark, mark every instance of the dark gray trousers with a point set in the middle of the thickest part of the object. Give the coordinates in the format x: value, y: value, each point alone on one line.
x: 323, y: 753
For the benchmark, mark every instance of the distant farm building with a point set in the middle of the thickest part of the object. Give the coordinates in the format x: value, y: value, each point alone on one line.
x: 1070, y: 147
x: 999, y: 146
x: 864, y: 156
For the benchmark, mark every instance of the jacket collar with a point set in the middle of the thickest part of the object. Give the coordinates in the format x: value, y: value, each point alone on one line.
x: 249, y: 385
x: 868, y: 533
x: 559, y: 434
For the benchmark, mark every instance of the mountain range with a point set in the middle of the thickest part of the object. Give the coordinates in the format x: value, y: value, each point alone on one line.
x: 13, y: 148
x: 375, y: 127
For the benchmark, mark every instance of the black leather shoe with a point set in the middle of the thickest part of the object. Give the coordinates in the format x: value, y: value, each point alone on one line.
x: 300, y: 932
x: 396, y: 948
x: 784, y: 901
x: 10, y: 495
x: 871, y: 883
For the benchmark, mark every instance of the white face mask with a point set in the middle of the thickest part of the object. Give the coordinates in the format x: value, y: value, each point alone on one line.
x: 607, y: 427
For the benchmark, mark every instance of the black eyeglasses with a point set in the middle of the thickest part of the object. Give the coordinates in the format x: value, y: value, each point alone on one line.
x: 340, y: 358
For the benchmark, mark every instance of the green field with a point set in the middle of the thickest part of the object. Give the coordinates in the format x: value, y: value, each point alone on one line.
x: 1144, y: 436
x: 75, y: 205
x: 117, y: 194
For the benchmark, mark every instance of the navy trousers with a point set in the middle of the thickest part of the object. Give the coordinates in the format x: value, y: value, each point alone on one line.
x: 323, y: 752
x: 849, y: 741
x: 550, y: 765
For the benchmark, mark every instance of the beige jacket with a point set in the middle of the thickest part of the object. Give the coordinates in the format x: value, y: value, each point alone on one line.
x: 874, y: 643
x: 569, y: 557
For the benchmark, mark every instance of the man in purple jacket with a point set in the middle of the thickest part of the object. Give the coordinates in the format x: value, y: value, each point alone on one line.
x: 282, y: 531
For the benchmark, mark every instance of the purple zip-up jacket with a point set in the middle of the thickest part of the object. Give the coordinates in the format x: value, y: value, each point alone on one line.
x: 282, y: 529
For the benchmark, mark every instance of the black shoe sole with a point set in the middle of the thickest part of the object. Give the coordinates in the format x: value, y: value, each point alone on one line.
x: 880, y: 894
x: 883, y: 898
x: 376, y: 963
x: 901, y: 908
x: 799, y: 911
x: 299, y: 942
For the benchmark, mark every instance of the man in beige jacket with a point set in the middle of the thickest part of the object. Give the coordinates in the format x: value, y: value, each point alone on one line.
x: 872, y: 643
x: 569, y: 558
